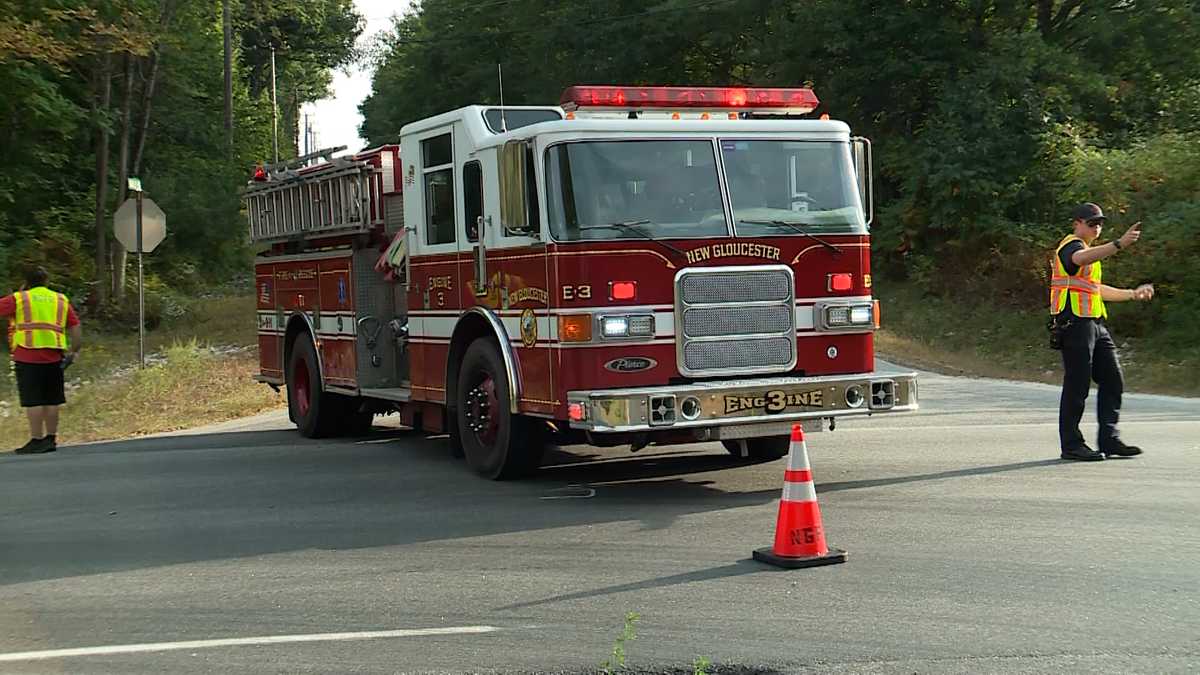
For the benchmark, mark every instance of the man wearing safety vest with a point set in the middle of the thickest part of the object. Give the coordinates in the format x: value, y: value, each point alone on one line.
x: 1077, y: 299
x: 44, y: 336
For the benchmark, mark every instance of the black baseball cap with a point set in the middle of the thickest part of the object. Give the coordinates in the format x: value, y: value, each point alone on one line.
x: 1088, y: 211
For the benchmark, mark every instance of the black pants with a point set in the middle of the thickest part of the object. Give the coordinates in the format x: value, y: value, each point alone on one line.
x: 1088, y: 354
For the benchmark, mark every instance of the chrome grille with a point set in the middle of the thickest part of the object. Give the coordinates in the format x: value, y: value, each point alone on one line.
x: 738, y: 354
x: 713, y: 321
x: 735, y: 320
x: 725, y: 287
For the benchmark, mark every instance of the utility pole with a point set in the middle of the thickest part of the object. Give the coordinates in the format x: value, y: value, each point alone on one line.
x: 228, y: 24
x: 274, y: 110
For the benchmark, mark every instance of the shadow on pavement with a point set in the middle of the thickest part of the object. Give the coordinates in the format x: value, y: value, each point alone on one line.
x: 140, y: 504
x: 940, y: 475
x: 738, y: 568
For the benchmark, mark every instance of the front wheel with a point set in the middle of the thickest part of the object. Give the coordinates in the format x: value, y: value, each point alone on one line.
x: 498, y: 444
x: 765, y: 449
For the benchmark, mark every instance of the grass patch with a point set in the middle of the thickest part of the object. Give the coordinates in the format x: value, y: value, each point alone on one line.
x: 192, y: 387
x: 188, y: 383
x: 940, y: 335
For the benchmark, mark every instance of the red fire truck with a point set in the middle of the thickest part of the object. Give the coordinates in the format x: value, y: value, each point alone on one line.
x: 634, y: 266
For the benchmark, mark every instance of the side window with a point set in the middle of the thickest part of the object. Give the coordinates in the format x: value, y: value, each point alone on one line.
x: 437, y: 168
x: 472, y: 178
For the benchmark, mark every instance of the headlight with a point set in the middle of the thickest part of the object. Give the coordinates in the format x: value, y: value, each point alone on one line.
x: 837, y: 316
x: 847, y: 316
x: 615, y: 326
x: 860, y: 315
x: 630, y: 325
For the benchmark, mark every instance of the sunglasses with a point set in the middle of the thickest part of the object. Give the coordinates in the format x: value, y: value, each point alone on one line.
x: 1095, y: 222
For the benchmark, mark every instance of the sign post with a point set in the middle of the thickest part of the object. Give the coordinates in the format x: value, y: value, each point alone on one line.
x: 140, y: 226
x: 141, y: 287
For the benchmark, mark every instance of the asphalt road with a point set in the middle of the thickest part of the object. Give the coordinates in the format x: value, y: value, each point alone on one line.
x: 972, y: 548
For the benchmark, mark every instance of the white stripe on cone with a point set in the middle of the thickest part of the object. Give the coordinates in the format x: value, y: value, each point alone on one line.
x: 803, y: 491
x: 799, y: 492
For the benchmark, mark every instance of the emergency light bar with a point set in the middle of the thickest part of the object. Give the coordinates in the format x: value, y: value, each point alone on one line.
x: 794, y: 101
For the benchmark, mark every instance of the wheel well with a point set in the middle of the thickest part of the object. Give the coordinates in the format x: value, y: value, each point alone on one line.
x: 297, y: 326
x: 471, y: 327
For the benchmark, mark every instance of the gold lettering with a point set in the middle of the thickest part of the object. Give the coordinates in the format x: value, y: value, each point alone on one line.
x: 776, y: 401
x: 534, y: 294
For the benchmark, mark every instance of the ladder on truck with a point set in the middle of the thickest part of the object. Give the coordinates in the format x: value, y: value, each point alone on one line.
x: 330, y: 198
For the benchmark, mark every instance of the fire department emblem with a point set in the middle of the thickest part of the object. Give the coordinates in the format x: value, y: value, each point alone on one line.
x: 528, y: 328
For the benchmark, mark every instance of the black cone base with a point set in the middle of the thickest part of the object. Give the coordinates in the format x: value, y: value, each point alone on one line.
x: 767, y: 555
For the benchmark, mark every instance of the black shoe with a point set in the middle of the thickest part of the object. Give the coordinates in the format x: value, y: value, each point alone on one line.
x: 1082, y: 454
x: 1117, y: 448
x: 36, y: 446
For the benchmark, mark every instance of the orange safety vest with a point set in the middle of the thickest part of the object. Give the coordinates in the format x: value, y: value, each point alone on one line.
x: 40, y: 321
x: 1083, y: 287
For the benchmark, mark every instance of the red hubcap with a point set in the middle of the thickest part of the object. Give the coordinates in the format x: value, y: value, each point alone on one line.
x: 481, y: 410
x: 303, y: 393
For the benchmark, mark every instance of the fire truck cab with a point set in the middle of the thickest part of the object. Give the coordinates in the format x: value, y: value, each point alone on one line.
x: 637, y: 265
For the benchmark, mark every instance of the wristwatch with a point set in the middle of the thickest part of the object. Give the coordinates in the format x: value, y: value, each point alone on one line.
x: 1117, y: 243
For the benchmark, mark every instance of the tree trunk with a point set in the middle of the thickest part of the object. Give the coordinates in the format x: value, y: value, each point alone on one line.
x: 147, y: 99
x: 120, y: 256
x: 168, y: 12
x: 228, y: 29
x: 100, y: 104
x: 1045, y: 17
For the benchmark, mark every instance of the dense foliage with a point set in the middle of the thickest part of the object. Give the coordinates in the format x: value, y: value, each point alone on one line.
x: 92, y: 91
x: 990, y: 118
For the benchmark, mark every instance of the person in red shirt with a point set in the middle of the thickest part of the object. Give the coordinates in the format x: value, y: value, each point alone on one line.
x: 46, y: 318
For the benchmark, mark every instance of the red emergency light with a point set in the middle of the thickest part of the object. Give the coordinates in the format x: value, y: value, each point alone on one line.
x: 799, y: 100
x: 260, y: 174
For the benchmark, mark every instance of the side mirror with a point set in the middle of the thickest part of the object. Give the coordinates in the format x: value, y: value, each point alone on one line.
x: 863, y: 172
x: 514, y: 207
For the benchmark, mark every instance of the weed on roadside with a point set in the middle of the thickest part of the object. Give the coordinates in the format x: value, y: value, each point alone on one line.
x: 628, y: 633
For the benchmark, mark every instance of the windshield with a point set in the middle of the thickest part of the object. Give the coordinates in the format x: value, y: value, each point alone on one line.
x: 808, y: 183
x: 666, y: 188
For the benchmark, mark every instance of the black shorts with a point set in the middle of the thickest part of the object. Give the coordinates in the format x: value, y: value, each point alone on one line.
x: 40, y: 384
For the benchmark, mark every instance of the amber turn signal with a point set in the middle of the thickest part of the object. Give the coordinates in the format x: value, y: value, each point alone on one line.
x: 575, y: 327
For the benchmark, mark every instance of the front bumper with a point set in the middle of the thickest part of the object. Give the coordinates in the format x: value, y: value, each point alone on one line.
x: 729, y: 403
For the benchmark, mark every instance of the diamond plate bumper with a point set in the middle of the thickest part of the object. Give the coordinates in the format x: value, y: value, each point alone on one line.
x: 749, y: 401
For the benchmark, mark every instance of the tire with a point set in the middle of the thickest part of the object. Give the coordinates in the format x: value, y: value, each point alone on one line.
x: 498, y: 444
x: 767, y: 449
x: 314, y: 411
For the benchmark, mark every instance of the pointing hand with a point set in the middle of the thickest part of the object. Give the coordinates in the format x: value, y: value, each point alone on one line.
x: 1131, y: 235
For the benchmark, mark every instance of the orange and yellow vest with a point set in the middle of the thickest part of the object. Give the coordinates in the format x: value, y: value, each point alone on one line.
x: 40, y: 321
x: 1082, y: 288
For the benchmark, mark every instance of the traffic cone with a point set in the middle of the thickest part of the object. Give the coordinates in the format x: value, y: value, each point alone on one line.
x: 799, y: 536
